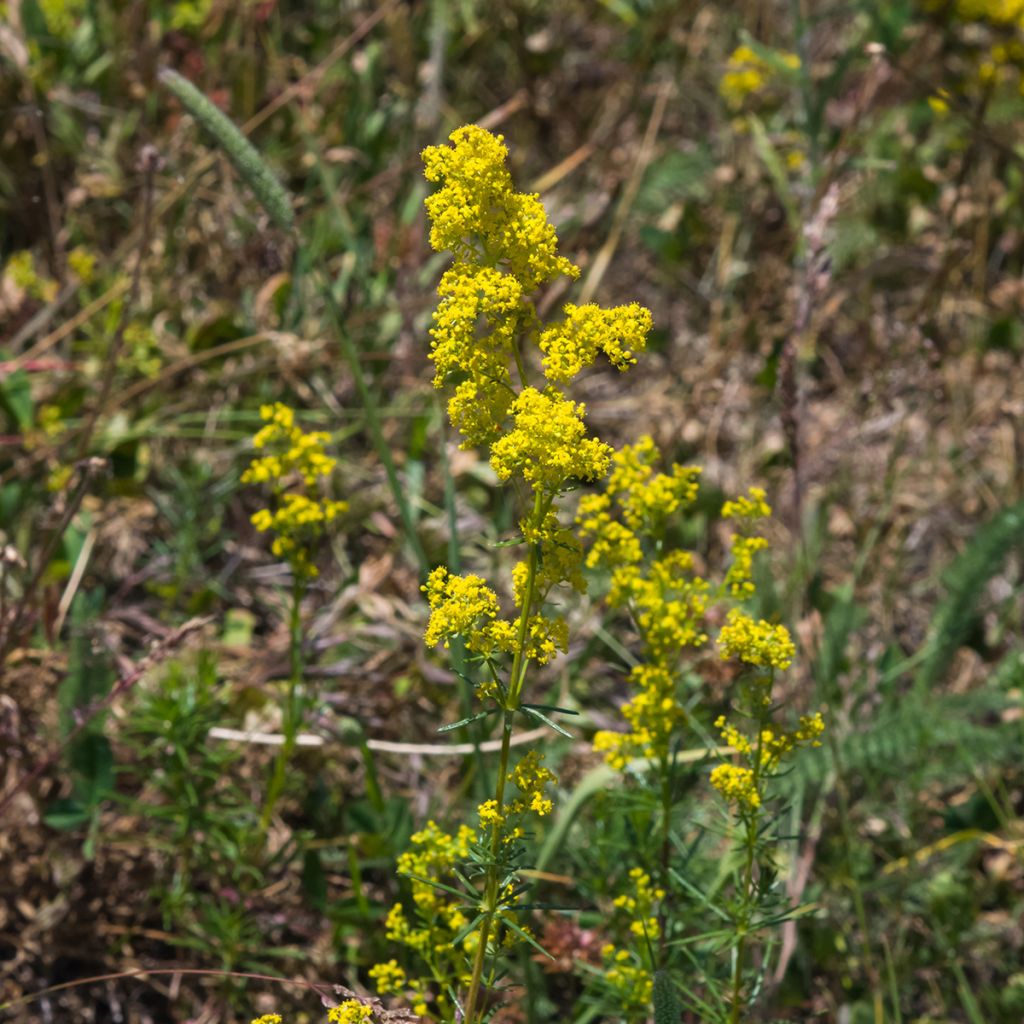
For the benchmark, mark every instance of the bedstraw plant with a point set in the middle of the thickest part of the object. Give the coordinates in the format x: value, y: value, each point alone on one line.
x: 506, y: 371
x: 293, y: 463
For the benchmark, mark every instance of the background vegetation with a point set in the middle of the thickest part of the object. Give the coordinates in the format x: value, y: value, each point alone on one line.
x: 828, y: 229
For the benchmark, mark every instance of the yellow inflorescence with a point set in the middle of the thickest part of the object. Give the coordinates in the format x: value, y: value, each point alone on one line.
x: 548, y: 444
x: 648, y: 498
x: 388, y: 978
x: 573, y: 344
x: 459, y: 606
x: 762, y: 754
x: 291, y: 455
x: 632, y: 982
x: 736, y: 784
x: 640, y: 904
x: 480, y: 218
x: 748, y: 73
x: 752, y: 505
x: 289, y: 449
x: 654, y: 715
x: 755, y: 642
x: 531, y: 778
x: 352, y: 1011
x: 739, y: 578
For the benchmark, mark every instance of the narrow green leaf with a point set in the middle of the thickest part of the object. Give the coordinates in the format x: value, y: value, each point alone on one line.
x: 467, y: 721
x: 544, y: 718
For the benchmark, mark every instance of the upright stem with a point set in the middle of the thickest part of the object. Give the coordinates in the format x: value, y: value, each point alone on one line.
x: 291, y: 717
x: 517, y: 678
x: 752, y: 818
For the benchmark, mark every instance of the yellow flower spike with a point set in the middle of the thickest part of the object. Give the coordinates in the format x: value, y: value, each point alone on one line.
x: 479, y: 217
x: 752, y: 505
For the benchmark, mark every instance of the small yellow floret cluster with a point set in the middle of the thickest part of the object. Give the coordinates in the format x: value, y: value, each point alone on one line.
x: 292, y: 456
x: 548, y: 444
x: 573, y: 344
x: 631, y: 981
x: 636, y: 502
x: 531, y: 778
x: 388, y: 978
x: 479, y: 217
x: 21, y: 271
x: 762, y: 754
x: 640, y: 903
x: 464, y: 606
x: 431, y: 858
x: 755, y: 642
x: 751, y: 505
x: 736, y: 784
x: 748, y: 73
x: 654, y: 715
x: 352, y: 1011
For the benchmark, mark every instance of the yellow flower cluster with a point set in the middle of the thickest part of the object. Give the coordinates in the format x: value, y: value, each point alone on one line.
x: 654, y: 714
x: 21, y: 270
x: 531, y: 778
x: 736, y: 784
x: 739, y: 577
x: 459, y: 606
x: 289, y: 449
x: 504, y: 247
x: 573, y: 344
x: 388, y: 978
x: 297, y: 519
x: 763, y: 755
x: 747, y: 73
x: 431, y: 859
x: 464, y: 606
x: 352, y: 1011
x: 755, y: 642
x: 631, y: 981
x: 664, y: 595
x: 639, y: 905
x: 752, y: 505
x: 480, y: 218
x: 548, y: 444
x: 642, y: 497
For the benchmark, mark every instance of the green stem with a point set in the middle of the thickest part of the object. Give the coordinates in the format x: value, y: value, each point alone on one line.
x: 752, y: 818
x: 292, y: 715
x: 517, y: 678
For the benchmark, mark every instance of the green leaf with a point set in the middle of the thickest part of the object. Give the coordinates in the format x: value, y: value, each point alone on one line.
x: 526, y: 709
x: 468, y: 721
